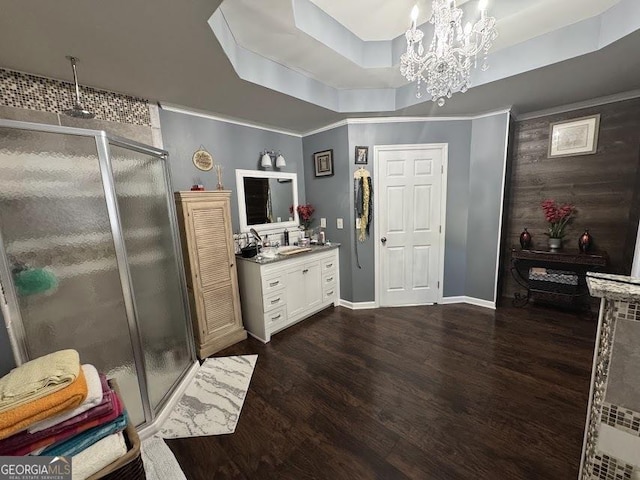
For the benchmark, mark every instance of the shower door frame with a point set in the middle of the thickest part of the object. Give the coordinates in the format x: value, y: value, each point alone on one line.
x: 10, y: 306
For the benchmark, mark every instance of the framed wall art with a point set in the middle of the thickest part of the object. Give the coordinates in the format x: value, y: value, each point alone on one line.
x: 578, y: 136
x: 323, y: 162
x: 362, y: 155
x: 202, y: 159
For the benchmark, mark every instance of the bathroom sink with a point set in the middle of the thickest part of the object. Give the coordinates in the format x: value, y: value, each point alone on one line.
x: 269, y: 252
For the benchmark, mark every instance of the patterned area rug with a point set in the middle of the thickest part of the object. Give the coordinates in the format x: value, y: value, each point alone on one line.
x: 212, y: 402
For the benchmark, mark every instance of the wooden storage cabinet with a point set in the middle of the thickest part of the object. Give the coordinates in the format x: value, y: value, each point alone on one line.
x: 212, y: 280
x: 277, y: 295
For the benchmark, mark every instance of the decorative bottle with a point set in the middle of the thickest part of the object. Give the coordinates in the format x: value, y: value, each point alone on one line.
x: 585, y: 242
x: 286, y: 237
x: 525, y: 240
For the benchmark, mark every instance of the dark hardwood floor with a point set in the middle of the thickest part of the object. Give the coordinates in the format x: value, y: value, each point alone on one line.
x: 444, y: 392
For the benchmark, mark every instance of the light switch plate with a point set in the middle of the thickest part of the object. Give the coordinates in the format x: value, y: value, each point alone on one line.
x: 339, y: 224
x: 323, y: 223
x: 358, y: 223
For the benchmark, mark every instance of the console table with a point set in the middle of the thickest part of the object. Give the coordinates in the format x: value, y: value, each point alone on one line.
x: 554, y: 276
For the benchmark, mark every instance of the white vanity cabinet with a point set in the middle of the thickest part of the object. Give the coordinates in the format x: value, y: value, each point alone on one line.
x: 275, y: 294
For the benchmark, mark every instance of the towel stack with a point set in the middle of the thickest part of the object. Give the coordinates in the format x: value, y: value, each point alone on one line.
x: 55, y: 406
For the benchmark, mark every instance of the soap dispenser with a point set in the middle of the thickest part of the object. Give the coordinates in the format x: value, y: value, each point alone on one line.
x: 286, y: 237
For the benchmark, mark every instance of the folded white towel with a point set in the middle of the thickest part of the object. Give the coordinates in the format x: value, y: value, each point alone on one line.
x: 98, y: 456
x: 94, y: 398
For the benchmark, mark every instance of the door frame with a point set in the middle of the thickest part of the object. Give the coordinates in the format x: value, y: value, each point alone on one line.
x: 444, y: 147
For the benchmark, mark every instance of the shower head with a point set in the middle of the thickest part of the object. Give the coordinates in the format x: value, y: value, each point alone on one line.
x: 78, y: 110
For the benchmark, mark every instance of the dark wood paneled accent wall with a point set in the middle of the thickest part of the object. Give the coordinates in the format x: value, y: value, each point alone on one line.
x: 604, y: 187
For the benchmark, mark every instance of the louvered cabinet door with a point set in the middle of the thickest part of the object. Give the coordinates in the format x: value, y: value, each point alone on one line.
x: 206, y: 219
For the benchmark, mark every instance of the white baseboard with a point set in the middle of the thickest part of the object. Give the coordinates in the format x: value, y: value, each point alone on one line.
x: 444, y: 301
x: 153, y: 428
x: 450, y: 300
x: 357, y: 305
x: 470, y: 301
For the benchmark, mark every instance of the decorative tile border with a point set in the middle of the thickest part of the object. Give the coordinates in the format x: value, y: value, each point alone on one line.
x: 609, y: 468
x: 621, y: 418
x: 628, y: 311
x: 31, y: 92
x: 604, y: 344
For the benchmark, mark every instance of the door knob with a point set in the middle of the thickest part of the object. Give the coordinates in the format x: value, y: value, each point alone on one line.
x: 383, y: 240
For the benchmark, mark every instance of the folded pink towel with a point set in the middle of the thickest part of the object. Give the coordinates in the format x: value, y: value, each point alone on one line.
x: 94, y: 398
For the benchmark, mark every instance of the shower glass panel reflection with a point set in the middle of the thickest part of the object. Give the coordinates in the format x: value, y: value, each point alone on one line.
x: 141, y: 191
x: 75, y: 274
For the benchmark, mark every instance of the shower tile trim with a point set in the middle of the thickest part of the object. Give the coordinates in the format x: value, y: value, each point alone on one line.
x: 621, y: 418
x: 31, y: 92
x: 606, y: 467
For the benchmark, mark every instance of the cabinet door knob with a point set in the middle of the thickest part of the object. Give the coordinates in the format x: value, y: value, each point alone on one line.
x: 231, y: 266
x: 383, y: 240
x: 305, y: 270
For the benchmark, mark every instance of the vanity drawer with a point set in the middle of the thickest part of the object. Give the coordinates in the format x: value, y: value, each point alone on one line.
x: 275, y: 318
x: 329, y: 265
x: 272, y: 283
x: 329, y: 278
x: 329, y: 292
x: 274, y: 300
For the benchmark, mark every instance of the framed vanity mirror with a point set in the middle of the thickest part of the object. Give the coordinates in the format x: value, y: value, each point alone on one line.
x: 264, y: 199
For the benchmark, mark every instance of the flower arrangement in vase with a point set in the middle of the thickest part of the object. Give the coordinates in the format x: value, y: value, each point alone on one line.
x: 558, y: 217
x: 305, y: 214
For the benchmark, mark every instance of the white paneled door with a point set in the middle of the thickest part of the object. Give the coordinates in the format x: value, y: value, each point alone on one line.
x: 409, y: 216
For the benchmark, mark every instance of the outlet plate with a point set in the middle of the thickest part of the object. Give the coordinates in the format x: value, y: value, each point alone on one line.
x: 323, y: 223
x: 339, y: 224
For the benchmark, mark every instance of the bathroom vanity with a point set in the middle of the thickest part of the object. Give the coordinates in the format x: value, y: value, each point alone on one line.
x: 280, y: 291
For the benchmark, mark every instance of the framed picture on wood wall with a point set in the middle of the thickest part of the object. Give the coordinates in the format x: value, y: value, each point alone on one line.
x: 323, y: 162
x: 578, y: 136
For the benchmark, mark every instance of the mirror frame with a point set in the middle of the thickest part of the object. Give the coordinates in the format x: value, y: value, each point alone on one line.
x: 242, y: 207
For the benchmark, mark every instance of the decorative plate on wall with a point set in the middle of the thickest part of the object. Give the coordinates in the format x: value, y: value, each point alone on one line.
x: 203, y: 159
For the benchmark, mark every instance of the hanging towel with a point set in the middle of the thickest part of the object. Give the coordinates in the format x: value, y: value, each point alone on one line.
x: 25, y: 415
x: 24, y: 443
x: 94, y: 398
x: 38, y: 378
x: 98, y: 456
x: 76, y: 444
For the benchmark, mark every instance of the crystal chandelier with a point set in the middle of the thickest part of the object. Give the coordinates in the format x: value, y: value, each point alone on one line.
x: 446, y: 67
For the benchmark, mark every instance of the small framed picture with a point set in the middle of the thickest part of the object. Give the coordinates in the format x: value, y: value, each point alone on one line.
x: 323, y: 162
x: 578, y: 136
x: 362, y: 155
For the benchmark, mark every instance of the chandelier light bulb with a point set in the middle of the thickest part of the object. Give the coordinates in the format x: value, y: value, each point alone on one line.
x: 467, y: 29
x: 483, y: 4
x: 414, y: 13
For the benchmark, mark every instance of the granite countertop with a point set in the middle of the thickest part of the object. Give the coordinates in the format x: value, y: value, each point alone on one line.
x: 279, y: 258
x: 615, y: 287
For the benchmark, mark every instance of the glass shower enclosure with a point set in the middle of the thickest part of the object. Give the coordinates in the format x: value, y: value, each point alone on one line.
x: 90, y: 259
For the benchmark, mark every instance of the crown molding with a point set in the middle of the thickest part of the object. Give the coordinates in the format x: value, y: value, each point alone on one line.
x: 594, y: 102
x: 376, y: 120
x: 198, y: 113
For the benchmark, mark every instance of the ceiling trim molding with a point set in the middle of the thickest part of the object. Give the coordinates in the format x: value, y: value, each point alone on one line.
x: 377, y: 120
x: 197, y: 113
x: 347, y: 121
x: 594, y: 102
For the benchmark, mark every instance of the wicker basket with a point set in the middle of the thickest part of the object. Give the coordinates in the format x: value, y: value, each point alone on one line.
x: 130, y: 466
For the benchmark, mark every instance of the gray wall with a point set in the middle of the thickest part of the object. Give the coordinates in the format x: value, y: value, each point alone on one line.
x: 232, y: 146
x: 332, y: 196
x: 488, y: 143
x: 458, y: 135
